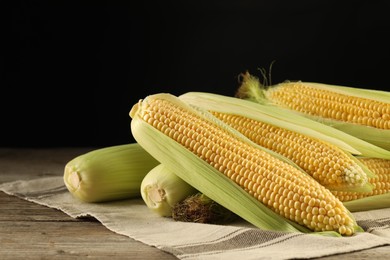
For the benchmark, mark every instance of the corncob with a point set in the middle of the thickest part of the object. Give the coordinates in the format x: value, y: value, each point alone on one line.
x: 361, y: 112
x: 233, y: 171
x: 286, y: 119
x: 381, y: 182
x: 327, y: 163
x: 108, y: 173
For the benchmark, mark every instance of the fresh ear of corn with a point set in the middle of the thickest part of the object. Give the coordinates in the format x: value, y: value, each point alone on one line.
x: 231, y: 170
x: 108, y: 173
x: 379, y: 197
x: 362, y: 113
x: 326, y: 159
x: 161, y: 189
x: 286, y: 119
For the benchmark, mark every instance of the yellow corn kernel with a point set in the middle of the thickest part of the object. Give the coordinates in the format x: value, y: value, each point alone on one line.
x: 326, y: 163
x: 308, y: 99
x: 381, y: 183
x: 280, y: 186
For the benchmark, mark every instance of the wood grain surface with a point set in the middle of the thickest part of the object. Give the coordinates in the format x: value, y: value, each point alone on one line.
x: 32, y: 231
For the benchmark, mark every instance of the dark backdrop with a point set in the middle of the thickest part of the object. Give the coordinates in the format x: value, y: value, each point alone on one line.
x: 71, y: 70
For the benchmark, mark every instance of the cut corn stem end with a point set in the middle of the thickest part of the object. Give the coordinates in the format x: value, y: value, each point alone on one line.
x: 154, y: 194
x: 75, y: 180
x: 155, y: 198
x: 161, y: 189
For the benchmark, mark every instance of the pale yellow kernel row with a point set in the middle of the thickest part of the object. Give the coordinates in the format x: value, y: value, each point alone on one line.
x: 324, y: 103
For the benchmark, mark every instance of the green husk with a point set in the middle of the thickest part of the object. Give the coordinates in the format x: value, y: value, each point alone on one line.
x: 203, y: 176
x: 109, y: 173
x: 369, y: 203
x: 375, y: 136
x: 373, y: 142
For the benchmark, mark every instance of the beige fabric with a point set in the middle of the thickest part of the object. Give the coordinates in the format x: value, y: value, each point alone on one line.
x: 202, y: 241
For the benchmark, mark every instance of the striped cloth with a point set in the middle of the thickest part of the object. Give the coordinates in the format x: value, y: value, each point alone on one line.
x: 239, y: 240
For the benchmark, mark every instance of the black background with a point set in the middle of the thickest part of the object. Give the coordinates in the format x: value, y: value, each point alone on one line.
x: 71, y: 70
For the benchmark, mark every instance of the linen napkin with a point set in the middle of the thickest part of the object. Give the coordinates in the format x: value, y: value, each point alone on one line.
x: 238, y: 240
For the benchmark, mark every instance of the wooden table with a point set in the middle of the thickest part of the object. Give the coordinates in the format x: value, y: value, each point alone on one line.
x: 29, y: 230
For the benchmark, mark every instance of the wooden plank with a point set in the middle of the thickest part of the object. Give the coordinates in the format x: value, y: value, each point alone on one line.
x: 32, y: 240
x: 16, y: 209
x: 42, y: 233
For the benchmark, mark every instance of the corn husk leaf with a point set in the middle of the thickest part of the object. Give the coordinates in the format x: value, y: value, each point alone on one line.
x: 377, y: 137
x: 369, y: 203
